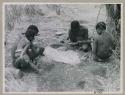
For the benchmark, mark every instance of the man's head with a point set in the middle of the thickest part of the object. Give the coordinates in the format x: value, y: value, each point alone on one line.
x: 31, y: 32
x: 75, y: 24
x: 100, y: 27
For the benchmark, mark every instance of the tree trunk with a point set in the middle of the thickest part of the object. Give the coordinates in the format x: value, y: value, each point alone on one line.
x: 113, y: 23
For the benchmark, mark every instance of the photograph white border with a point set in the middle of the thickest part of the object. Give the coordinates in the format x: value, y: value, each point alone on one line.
x: 66, y: 92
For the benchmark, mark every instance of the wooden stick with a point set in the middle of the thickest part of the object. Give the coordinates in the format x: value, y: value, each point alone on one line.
x: 34, y: 67
x: 80, y: 42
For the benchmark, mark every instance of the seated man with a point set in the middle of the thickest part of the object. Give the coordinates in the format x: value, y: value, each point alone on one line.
x: 103, y: 43
x: 79, y: 35
x: 25, y: 50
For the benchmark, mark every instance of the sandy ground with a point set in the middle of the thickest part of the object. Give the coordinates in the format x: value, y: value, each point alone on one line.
x: 86, y: 76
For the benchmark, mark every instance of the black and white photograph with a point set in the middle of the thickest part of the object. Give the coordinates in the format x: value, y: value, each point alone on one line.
x: 62, y: 47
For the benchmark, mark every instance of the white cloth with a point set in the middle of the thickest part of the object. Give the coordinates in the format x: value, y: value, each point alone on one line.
x: 68, y: 57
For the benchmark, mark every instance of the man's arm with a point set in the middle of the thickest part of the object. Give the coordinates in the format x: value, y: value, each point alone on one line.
x: 95, y: 48
x: 81, y: 42
x: 112, y: 39
x: 84, y: 32
x: 24, y: 50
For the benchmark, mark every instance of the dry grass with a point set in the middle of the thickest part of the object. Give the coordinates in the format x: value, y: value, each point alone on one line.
x: 87, y: 76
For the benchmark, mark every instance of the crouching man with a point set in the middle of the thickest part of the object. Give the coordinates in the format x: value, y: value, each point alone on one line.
x: 25, y: 50
x: 78, y: 35
x: 103, y: 43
